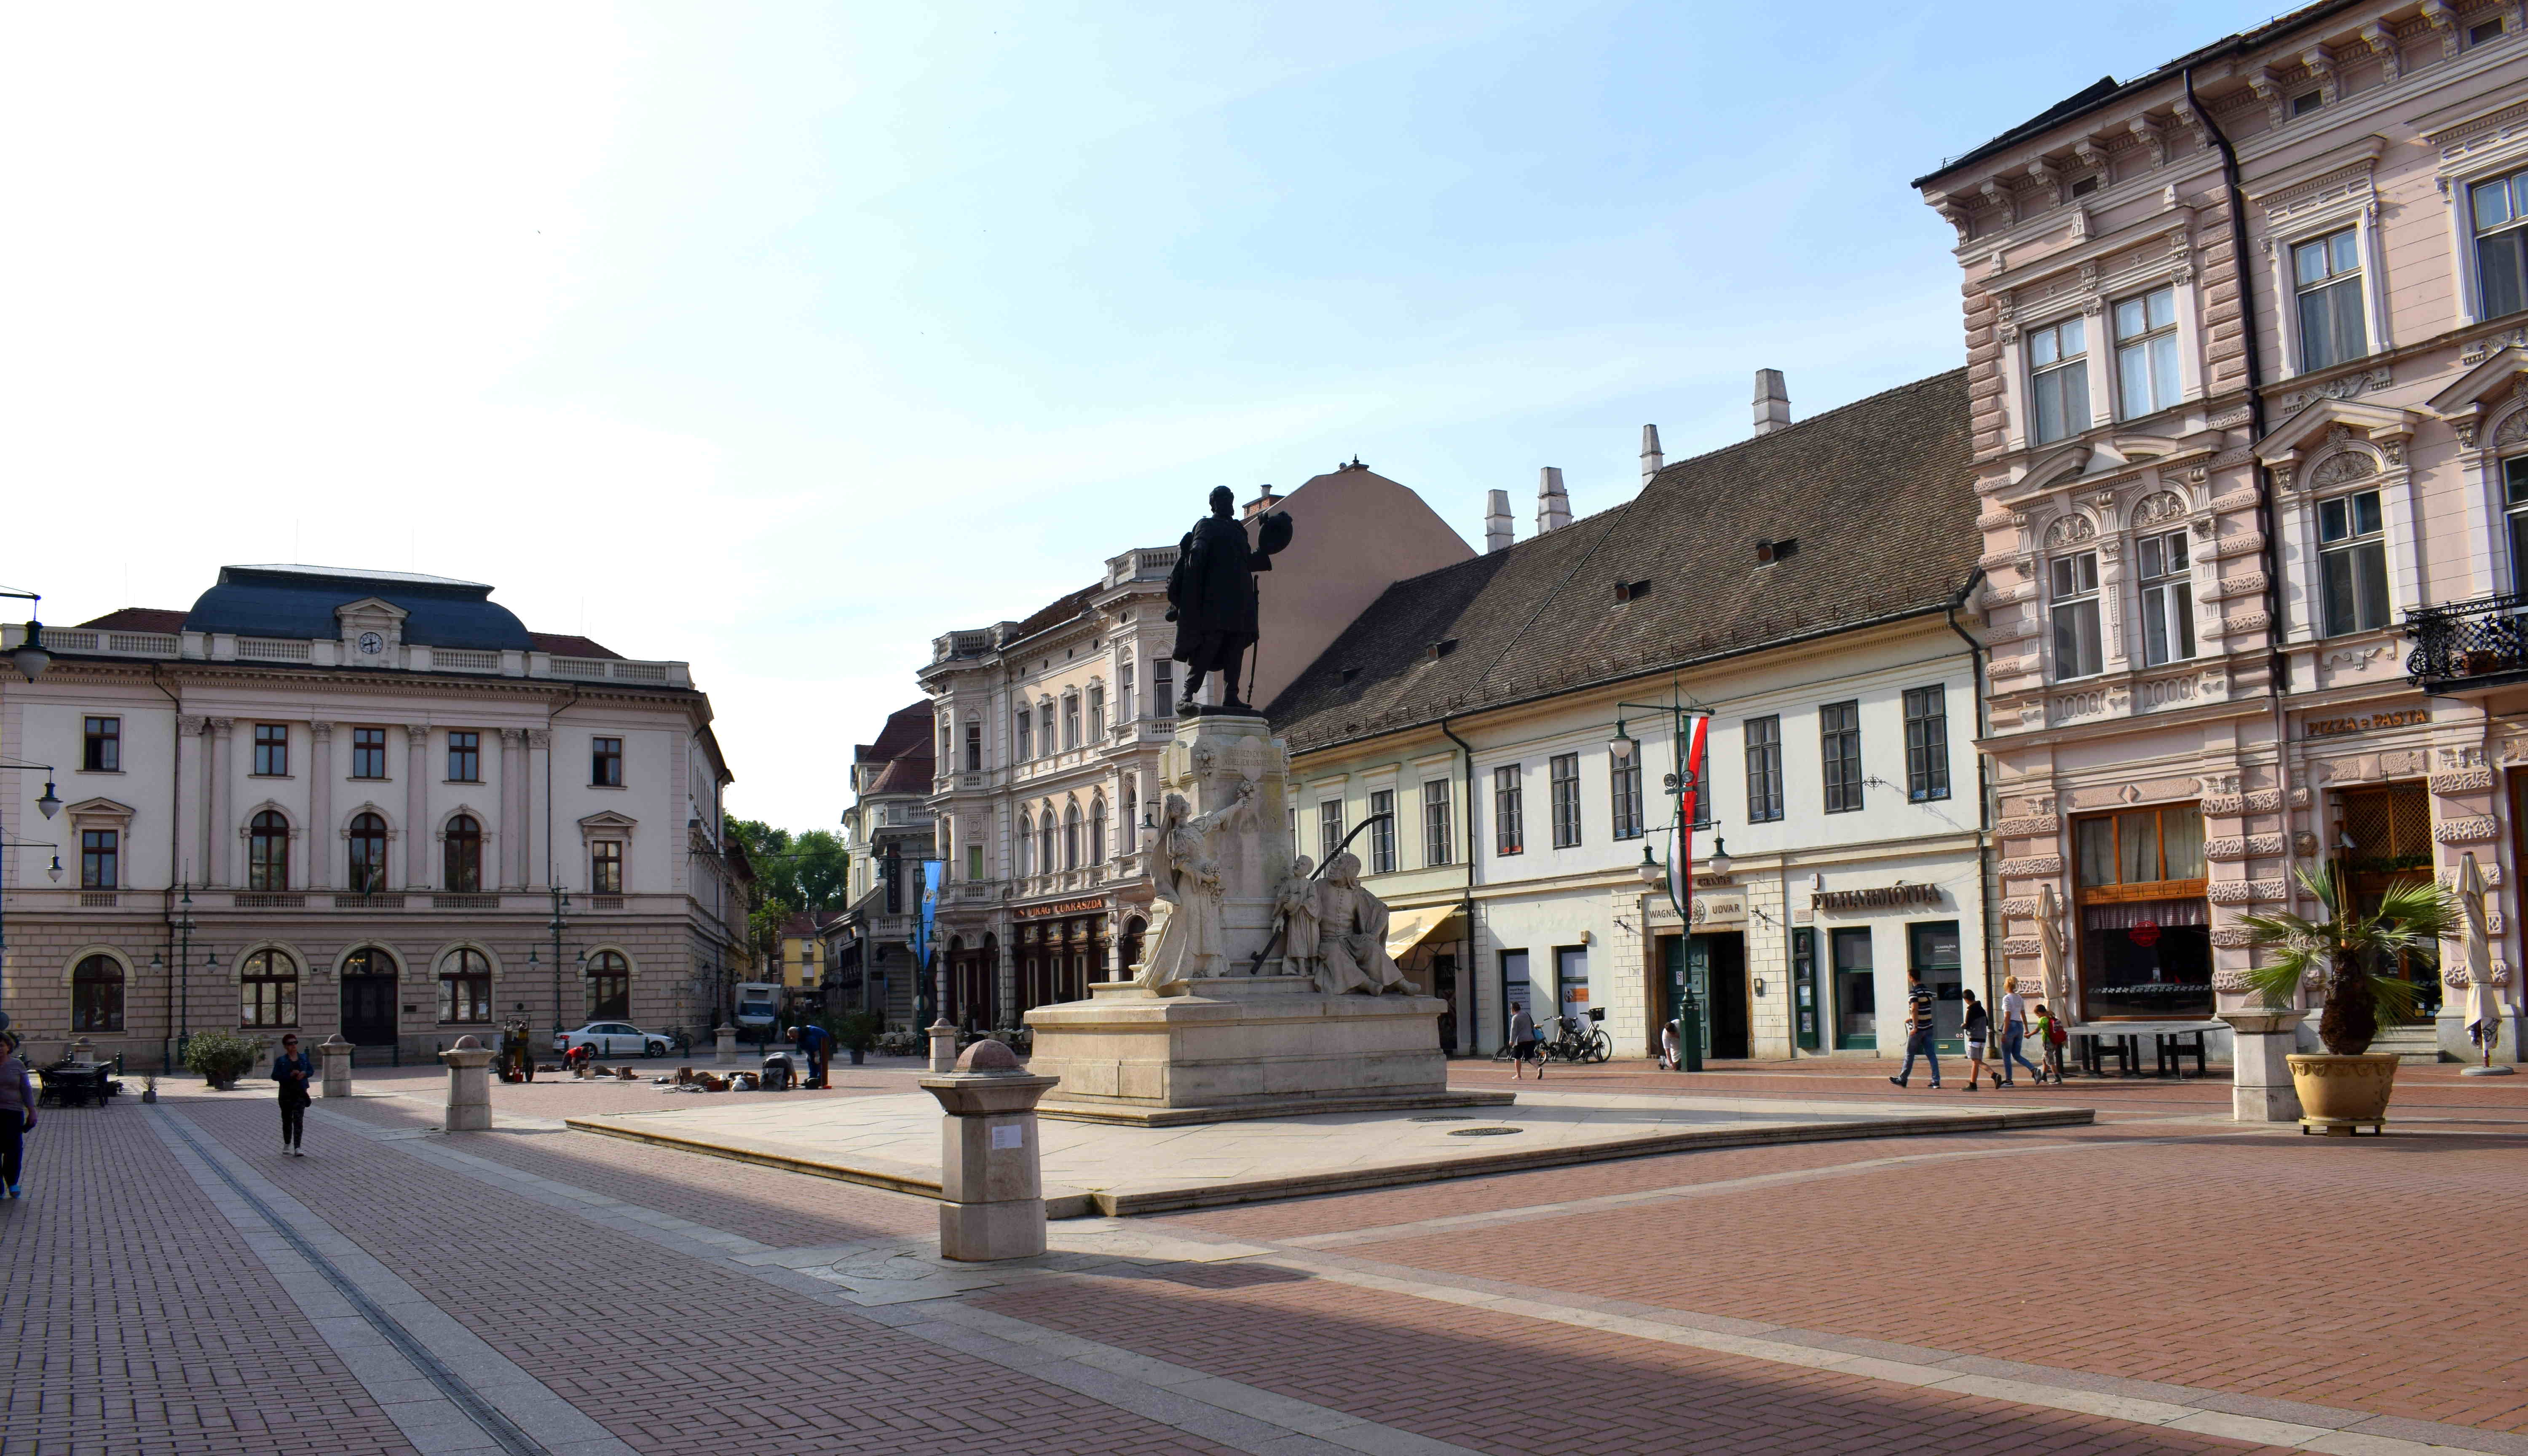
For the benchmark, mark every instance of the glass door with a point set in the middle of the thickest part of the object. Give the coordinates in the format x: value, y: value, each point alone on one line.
x: 1934, y: 956
x: 1804, y: 988
x: 1856, y: 991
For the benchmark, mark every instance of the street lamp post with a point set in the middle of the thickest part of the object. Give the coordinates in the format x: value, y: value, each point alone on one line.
x: 560, y: 902
x: 32, y: 659
x: 179, y: 1004
x: 1685, y: 790
x: 51, y: 805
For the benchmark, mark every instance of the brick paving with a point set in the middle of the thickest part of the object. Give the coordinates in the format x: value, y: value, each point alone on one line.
x: 134, y: 1319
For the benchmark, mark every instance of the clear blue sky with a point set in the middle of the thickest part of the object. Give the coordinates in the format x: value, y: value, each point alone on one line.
x: 782, y: 338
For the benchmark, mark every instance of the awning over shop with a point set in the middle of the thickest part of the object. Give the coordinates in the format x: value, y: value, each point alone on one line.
x: 1406, y: 929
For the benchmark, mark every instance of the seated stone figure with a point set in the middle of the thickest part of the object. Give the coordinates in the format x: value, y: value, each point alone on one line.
x: 1351, y: 936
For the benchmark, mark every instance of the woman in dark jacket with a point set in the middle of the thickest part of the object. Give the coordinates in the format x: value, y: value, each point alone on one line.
x: 292, y: 1069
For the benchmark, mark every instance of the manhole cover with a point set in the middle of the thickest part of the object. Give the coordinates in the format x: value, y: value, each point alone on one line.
x: 1483, y: 1132
x: 1441, y: 1117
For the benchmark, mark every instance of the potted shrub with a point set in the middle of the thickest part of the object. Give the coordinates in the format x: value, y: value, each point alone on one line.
x: 220, y: 1058
x: 857, y: 1032
x: 2347, y: 1086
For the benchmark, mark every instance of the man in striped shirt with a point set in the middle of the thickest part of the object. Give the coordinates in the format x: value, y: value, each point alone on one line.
x: 1917, y: 1030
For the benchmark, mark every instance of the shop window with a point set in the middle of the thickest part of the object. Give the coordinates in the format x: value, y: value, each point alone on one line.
x: 96, y: 995
x: 1381, y: 831
x: 2146, y: 928
x: 2352, y: 562
x: 2167, y: 599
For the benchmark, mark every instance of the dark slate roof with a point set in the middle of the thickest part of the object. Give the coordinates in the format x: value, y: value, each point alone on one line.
x: 299, y: 602
x: 909, y: 774
x: 1879, y: 494
x: 139, y: 619
x: 906, y: 731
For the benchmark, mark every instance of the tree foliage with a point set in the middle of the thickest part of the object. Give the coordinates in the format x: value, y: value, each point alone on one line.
x: 2342, y: 946
x: 792, y: 873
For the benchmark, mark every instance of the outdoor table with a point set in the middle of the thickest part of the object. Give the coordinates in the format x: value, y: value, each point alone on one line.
x: 2122, y: 1040
x: 75, y: 1083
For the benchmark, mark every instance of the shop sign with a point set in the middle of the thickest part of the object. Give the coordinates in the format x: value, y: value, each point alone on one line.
x: 2146, y: 934
x: 1088, y: 906
x: 2345, y: 727
x: 1885, y: 896
x: 1721, y: 909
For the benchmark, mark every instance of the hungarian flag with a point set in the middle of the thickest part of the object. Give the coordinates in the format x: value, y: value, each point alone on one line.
x: 1689, y: 811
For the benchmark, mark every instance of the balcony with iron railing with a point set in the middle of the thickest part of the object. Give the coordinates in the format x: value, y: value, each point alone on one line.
x: 325, y: 651
x: 2468, y: 645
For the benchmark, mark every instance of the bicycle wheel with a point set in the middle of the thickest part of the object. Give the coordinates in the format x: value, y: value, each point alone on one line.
x: 1599, y: 1047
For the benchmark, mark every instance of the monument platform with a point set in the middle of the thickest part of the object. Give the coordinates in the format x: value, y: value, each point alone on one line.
x: 1114, y: 1169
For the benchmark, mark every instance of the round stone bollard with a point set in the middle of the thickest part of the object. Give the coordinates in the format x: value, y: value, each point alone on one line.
x: 992, y: 1181
x: 333, y: 1065
x: 943, y: 1046
x: 469, y: 1085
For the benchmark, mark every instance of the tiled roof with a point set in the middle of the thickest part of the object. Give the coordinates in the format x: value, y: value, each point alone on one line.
x: 1056, y: 612
x: 909, y: 774
x: 809, y: 922
x: 139, y: 619
x: 906, y: 731
x: 1877, y: 494
x: 568, y: 644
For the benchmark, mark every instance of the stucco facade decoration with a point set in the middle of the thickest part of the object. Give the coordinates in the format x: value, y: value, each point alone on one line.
x: 1049, y: 729
x: 363, y: 827
x: 2246, y: 348
x: 1801, y: 586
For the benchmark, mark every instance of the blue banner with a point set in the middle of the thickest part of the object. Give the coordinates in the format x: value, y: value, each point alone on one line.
x: 932, y: 872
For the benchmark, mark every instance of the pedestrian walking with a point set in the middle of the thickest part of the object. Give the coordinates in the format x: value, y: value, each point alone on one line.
x: 1524, y: 1042
x: 1918, y: 1030
x: 17, y: 1113
x: 292, y: 1070
x: 1979, y: 1030
x: 2014, y: 1029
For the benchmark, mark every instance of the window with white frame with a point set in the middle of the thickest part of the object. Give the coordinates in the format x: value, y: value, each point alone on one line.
x: 2500, y: 208
x: 1096, y: 713
x: 1562, y: 773
x: 1124, y: 706
x: 1624, y: 793
x: 1071, y: 720
x: 1024, y: 748
x: 2326, y: 276
x: 2514, y: 494
x: 1926, y: 743
x: 2058, y: 379
x: 1437, y: 840
x: 2352, y: 562
x: 1764, y: 770
x: 1509, y: 811
x: 1382, y: 832
x: 2146, y: 353
x: 2167, y: 599
x: 2074, y: 614
x: 1329, y: 830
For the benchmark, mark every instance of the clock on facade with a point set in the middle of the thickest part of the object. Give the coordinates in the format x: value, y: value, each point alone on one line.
x: 372, y: 644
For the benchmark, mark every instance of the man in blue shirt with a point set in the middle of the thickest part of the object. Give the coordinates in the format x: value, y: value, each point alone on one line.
x: 817, y: 1043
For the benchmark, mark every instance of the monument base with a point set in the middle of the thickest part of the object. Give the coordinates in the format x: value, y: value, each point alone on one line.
x: 1241, y: 1046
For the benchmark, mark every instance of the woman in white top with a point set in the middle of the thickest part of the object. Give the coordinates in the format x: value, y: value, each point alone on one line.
x: 2013, y: 1025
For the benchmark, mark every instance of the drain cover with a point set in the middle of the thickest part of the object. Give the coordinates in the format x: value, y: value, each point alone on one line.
x: 1483, y: 1132
x: 1441, y: 1117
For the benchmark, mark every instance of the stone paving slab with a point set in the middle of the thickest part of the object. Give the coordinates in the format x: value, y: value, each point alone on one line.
x: 893, y: 1142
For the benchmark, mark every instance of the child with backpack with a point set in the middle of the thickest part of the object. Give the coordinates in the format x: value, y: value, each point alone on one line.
x: 2051, y: 1037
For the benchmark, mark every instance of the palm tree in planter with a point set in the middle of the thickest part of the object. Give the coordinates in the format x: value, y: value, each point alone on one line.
x: 2346, y: 1087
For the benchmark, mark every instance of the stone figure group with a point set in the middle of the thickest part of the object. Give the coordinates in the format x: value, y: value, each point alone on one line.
x: 1184, y: 940
x: 1335, y: 932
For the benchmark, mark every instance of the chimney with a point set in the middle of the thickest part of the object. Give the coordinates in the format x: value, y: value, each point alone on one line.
x: 1552, y: 507
x: 1497, y: 522
x: 1773, y: 402
x: 1651, y: 459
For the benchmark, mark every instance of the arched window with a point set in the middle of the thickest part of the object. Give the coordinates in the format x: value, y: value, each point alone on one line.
x: 465, y: 987
x: 1044, y: 842
x: 96, y: 995
x: 1097, y: 831
x: 1071, y: 837
x: 267, y: 860
x: 610, y: 987
x: 368, y: 961
x: 1132, y: 816
x: 464, y: 855
x: 1027, y: 844
x: 269, y: 981
x: 368, y: 854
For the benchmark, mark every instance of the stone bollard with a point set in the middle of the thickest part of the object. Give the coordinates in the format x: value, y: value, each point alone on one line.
x: 726, y: 1055
x: 2260, y: 1078
x: 469, y: 1085
x: 992, y: 1181
x: 943, y: 1046
x: 333, y: 1065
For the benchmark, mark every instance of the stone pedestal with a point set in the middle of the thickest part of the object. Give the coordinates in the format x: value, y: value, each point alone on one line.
x: 2260, y: 1078
x: 469, y: 1085
x: 991, y: 1182
x: 725, y: 1053
x: 943, y: 1047
x: 333, y: 1065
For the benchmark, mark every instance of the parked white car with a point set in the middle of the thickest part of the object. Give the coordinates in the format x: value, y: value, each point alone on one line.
x: 615, y: 1039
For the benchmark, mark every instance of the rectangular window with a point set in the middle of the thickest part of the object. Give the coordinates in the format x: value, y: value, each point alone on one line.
x: 2514, y: 487
x: 2500, y: 243
x: 1071, y: 722
x: 2153, y: 848
x: 973, y: 748
x: 2167, y: 600
x: 1564, y: 771
x: 1025, y: 722
x: 1382, y: 834
x: 2327, y: 277
x: 1509, y: 811
x: 606, y: 867
x: 1044, y: 725
x: 1096, y: 713
x: 100, y: 860
x: 974, y: 863
x: 368, y: 752
x: 1436, y: 837
x: 1163, y: 687
x: 2058, y: 379
x: 1329, y: 830
x: 465, y: 757
x: 103, y: 751
x: 1763, y: 769
x: 2146, y: 353
x: 272, y: 750
x: 1624, y: 793
x: 1927, y: 744
x: 1839, y: 736
x: 1515, y: 991
x: 2352, y: 563
x: 606, y: 763
x: 1124, y: 700
x: 2074, y: 614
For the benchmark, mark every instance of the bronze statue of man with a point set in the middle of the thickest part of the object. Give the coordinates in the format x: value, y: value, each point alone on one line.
x: 1211, y: 597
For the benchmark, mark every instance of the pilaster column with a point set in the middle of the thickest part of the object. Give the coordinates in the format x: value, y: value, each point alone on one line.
x: 193, y: 857
x: 320, y: 806
x: 534, y: 845
x: 417, y: 838
x: 222, y: 835
x: 513, y: 801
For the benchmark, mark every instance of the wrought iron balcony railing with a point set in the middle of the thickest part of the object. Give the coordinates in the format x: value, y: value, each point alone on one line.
x: 2483, y: 642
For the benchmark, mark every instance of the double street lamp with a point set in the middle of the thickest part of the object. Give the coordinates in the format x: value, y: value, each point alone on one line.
x: 1684, y: 788
x: 181, y: 1009
x: 560, y: 902
x: 30, y: 659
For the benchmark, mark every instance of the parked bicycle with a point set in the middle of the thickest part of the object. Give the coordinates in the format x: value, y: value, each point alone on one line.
x: 1575, y: 1040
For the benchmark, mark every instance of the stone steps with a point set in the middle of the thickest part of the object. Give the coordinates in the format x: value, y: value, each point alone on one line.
x: 2411, y: 1044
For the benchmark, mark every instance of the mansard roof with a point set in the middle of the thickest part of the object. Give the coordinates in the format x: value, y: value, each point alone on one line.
x: 298, y: 601
x: 906, y: 731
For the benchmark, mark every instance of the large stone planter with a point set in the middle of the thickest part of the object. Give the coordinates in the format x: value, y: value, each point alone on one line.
x: 2340, y: 1094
